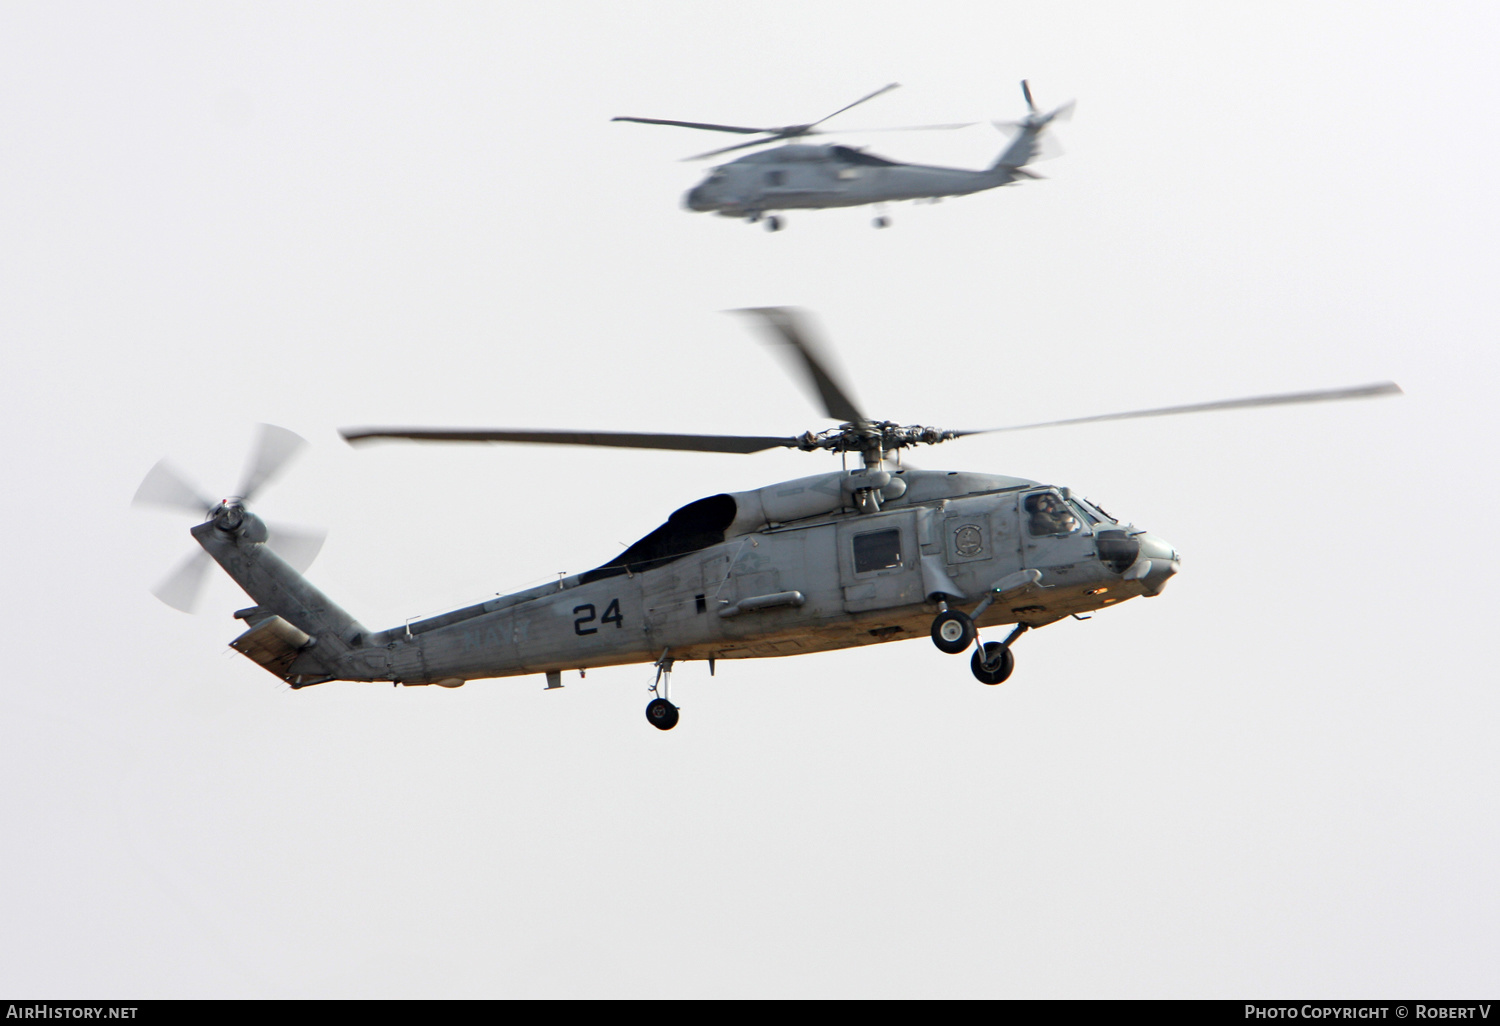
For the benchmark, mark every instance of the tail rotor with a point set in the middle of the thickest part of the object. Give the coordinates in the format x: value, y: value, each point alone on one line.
x: 164, y: 486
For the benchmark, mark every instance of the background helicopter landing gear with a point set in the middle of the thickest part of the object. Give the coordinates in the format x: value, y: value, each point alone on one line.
x: 773, y: 223
x: 953, y: 631
x: 881, y: 221
x: 661, y: 714
x: 992, y: 662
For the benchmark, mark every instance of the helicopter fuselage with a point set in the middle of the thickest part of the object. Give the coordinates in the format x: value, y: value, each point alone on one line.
x: 788, y: 569
x: 804, y: 177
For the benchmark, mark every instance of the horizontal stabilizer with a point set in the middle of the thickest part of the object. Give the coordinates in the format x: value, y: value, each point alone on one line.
x: 273, y: 643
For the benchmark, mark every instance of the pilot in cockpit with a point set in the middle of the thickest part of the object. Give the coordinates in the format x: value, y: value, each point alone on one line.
x: 1048, y: 515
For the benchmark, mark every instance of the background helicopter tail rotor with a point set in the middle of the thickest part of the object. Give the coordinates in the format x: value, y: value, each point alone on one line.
x: 166, y: 487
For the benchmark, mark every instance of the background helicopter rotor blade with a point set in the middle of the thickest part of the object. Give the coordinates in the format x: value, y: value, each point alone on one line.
x: 786, y: 325
x: 856, y: 103
x: 771, y: 134
x: 274, y: 448
x: 736, y: 146
x: 698, y: 124
x: 181, y: 588
x: 165, y: 486
x: 902, y: 128
x: 742, y: 444
x: 1284, y: 399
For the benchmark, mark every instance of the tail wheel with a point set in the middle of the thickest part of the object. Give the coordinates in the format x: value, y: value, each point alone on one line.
x: 993, y: 663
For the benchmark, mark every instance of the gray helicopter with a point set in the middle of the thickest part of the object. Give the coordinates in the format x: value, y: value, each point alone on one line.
x: 800, y: 176
x: 843, y: 558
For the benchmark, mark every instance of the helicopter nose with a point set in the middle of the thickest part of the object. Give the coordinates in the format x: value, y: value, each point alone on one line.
x: 1157, y: 563
x: 697, y: 199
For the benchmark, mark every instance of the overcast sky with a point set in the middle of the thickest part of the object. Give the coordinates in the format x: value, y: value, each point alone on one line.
x: 1278, y: 777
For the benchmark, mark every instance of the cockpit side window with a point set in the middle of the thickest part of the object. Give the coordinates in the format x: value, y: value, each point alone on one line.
x: 1047, y: 514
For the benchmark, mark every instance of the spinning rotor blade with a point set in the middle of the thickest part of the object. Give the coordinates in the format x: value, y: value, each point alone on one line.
x: 785, y: 323
x: 698, y: 124
x: 181, y: 588
x: 273, y: 450
x: 1026, y: 92
x: 617, y: 440
x: 904, y: 128
x: 856, y: 103
x: 297, y: 546
x: 1284, y: 399
x: 164, y: 486
x: 771, y: 134
x: 737, y: 146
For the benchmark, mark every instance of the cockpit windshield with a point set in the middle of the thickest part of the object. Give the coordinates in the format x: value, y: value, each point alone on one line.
x: 1096, y: 510
x: 1048, y: 514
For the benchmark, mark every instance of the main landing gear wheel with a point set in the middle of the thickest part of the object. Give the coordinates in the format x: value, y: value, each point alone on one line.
x: 661, y: 714
x: 881, y: 222
x: 992, y: 663
x: 952, y: 631
x: 773, y: 223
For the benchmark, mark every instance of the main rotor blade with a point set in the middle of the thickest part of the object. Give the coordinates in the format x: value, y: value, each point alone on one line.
x: 900, y: 128
x: 1284, y: 399
x: 163, y: 485
x: 736, y: 146
x: 275, y: 447
x: 181, y: 588
x: 856, y: 103
x: 1026, y: 92
x: 784, y: 321
x: 616, y: 439
x: 696, y: 124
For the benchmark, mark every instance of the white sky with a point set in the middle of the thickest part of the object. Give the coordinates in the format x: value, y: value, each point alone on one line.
x: 1278, y: 777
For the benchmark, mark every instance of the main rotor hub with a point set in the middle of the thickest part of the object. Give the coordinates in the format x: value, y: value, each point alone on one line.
x: 872, y: 439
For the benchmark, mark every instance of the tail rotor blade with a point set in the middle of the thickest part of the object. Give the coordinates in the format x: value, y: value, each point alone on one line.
x: 297, y: 546
x: 183, y: 586
x: 275, y: 447
x: 164, y: 485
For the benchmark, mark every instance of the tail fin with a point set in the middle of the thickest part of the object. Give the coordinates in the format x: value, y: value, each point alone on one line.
x: 1027, y: 145
x: 296, y: 632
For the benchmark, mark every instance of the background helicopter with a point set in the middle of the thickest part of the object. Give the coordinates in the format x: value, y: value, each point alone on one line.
x: 840, y: 559
x: 811, y: 177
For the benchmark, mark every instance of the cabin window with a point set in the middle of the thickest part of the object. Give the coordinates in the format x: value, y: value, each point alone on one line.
x: 877, y: 550
x: 775, y: 177
x: 847, y: 174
